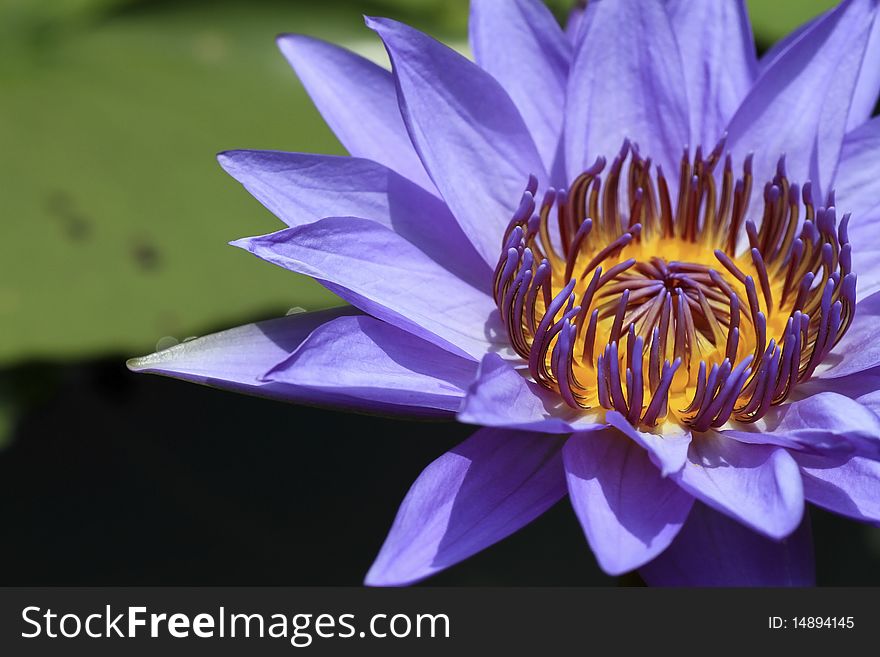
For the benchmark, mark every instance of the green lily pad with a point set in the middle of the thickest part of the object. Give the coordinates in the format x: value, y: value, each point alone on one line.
x: 116, y: 214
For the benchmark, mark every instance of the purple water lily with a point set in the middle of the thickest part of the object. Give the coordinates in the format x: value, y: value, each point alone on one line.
x: 617, y: 249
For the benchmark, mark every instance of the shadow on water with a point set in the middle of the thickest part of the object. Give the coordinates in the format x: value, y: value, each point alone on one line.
x: 117, y: 478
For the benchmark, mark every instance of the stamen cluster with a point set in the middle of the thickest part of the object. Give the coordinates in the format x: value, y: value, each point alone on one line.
x: 621, y: 299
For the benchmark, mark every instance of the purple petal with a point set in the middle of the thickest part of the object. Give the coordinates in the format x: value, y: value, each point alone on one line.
x: 365, y: 358
x: 501, y: 397
x: 488, y: 487
x: 851, y: 488
x: 822, y: 423
x: 358, y: 101
x: 668, y: 448
x: 858, y: 178
x: 868, y: 86
x: 713, y: 550
x: 757, y: 485
x: 467, y: 131
x: 626, y: 82
x: 866, y: 259
x: 301, y: 188
x: 378, y: 271
x: 859, y: 349
x: 870, y: 400
x: 864, y: 387
x: 719, y: 61
x: 522, y: 46
x: 238, y: 358
x: 858, y: 191
x: 800, y: 104
x: 629, y: 513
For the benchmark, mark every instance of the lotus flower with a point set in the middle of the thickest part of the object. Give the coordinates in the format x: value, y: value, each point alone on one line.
x: 614, y: 247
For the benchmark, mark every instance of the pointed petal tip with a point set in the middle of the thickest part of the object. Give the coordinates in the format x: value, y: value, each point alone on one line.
x: 296, y: 48
x: 371, y: 578
x: 398, y: 572
x: 374, y: 583
x: 612, y: 566
x: 227, y: 160
x: 285, y: 38
x: 150, y: 363
x: 137, y: 364
x: 376, y: 578
x: 289, y: 43
x: 245, y: 243
x: 293, y: 37
x: 376, y: 22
